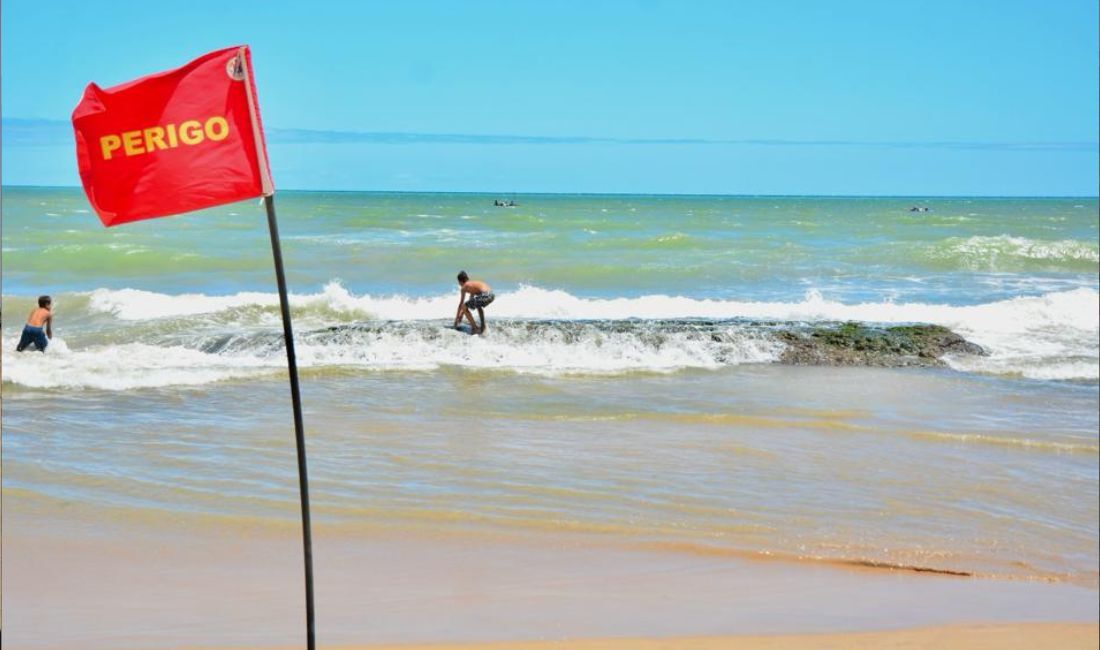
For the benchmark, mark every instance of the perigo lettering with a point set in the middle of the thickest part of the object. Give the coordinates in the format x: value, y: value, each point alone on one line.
x: 169, y: 136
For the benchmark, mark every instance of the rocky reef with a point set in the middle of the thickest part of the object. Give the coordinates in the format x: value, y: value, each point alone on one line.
x: 703, y: 342
x: 858, y: 344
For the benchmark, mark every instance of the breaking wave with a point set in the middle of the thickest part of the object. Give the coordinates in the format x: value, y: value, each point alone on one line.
x: 123, y: 339
x: 196, y: 358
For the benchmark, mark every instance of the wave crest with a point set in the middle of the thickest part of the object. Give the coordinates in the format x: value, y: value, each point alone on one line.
x: 192, y: 339
x: 1009, y: 253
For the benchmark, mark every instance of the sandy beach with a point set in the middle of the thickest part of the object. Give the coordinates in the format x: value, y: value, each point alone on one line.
x: 116, y: 582
x: 975, y: 637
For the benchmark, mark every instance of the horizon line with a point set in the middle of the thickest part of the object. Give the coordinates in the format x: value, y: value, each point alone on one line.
x: 649, y: 194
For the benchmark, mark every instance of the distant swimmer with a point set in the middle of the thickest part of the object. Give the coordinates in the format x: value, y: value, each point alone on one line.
x: 39, y: 327
x: 481, y: 295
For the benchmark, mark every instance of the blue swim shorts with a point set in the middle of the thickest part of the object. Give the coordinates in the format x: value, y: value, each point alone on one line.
x: 33, y: 336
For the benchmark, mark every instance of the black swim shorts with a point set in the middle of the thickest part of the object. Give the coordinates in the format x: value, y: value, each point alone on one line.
x: 480, y: 300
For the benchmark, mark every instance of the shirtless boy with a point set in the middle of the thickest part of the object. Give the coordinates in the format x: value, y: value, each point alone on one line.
x: 480, y: 297
x: 33, y: 332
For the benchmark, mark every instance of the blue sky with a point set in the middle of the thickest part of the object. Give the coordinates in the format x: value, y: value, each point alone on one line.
x: 782, y: 97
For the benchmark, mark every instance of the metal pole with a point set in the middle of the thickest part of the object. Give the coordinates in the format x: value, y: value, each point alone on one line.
x: 296, y: 398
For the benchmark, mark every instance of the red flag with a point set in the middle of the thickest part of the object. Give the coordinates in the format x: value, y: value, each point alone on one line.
x: 174, y: 141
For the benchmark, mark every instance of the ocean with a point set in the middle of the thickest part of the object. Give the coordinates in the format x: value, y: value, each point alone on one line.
x: 626, y: 389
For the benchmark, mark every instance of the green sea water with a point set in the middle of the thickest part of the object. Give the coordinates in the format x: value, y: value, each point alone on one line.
x: 764, y: 248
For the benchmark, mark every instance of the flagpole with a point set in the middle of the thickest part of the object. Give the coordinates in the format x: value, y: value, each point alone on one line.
x: 296, y: 398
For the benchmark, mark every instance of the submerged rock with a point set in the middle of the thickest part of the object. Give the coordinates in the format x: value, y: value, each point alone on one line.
x: 856, y: 344
x: 650, y: 343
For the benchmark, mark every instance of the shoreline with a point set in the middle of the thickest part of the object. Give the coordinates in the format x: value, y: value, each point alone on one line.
x: 158, y: 522
x: 75, y: 578
x: 498, y: 193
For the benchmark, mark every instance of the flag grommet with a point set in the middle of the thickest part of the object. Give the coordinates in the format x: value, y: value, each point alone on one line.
x: 235, y: 68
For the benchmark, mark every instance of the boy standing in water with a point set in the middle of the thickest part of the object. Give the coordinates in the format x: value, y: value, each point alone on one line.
x: 33, y: 333
x: 480, y: 297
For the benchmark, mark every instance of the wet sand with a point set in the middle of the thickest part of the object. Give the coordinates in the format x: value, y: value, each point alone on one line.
x: 975, y: 637
x: 84, y: 579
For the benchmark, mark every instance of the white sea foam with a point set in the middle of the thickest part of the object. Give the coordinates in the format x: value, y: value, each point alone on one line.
x: 984, y: 251
x: 122, y: 367
x: 137, y: 305
x: 1053, y: 336
x: 547, y: 349
x: 1076, y: 308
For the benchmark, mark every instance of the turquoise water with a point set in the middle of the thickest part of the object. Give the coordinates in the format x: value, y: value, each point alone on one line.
x: 963, y: 251
x: 624, y: 389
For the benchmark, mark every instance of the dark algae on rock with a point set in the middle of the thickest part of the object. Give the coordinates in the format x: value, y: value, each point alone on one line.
x: 857, y: 344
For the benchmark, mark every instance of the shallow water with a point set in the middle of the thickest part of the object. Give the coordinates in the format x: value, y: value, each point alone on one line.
x: 906, y: 468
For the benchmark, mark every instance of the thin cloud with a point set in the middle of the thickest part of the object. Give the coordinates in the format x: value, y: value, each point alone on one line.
x: 30, y: 133
x: 36, y: 132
